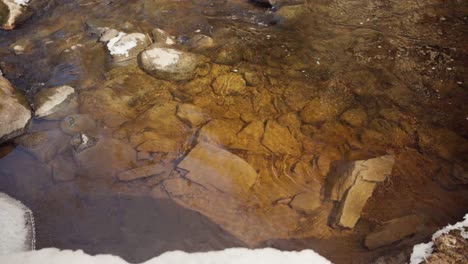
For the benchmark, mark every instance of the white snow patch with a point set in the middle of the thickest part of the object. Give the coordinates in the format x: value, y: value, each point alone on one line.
x: 116, y: 47
x: 423, y: 250
x: 228, y: 256
x: 84, y: 139
x: 15, y: 230
x: 123, y: 43
x: 59, y: 97
x: 162, y: 57
x: 22, y: 2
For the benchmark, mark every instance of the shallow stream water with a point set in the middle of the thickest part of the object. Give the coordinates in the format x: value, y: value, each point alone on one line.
x: 349, y: 80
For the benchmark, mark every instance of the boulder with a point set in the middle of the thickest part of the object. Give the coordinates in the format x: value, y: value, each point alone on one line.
x: 143, y: 172
x: 353, y: 184
x: 15, y: 113
x: 13, y: 12
x: 218, y: 169
x: 192, y: 115
x: 229, y: 84
x: 56, y: 103
x: 306, y: 202
x: 125, y: 47
x: 168, y: 64
x: 279, y: 140
x: 394, y: 230
x: 17, y: 233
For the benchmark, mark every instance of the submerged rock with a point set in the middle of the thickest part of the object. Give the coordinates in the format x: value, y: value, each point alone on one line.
x: 288, y: 15
x: 192, y: 115
x: 229, y: 84
x: 78, y: 124
x: 279, y: 140
x: 200, y: 42
x: 218, y: 169
x: 13, y: 12
x: 142, y: 172
x: 394, y: 230
x: 44, y: 145
x: 168, y: 64
x: 56, y: 103
x: 353, y: 184
x: 306, y: 202
x: 106, y: 158
x: 63, y: 168
x: 162, y: 37
x: 14, y: 111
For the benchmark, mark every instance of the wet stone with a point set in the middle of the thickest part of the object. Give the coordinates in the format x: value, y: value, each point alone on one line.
x: 56, y: 103
x: 229, y: 84
x: 15, y: 113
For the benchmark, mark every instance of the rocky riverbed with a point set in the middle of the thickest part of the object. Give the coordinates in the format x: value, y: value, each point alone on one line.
x: 296, y: 124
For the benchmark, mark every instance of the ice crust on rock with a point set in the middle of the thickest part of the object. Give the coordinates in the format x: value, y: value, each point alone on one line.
x: 422, y: 251
x: 227, y: 256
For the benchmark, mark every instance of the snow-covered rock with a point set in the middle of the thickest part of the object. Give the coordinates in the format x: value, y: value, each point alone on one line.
x: 228, y: 256
x: 168, y: 64
x: 124, y: 47
x: 16, y: 227
x: 448, y: 245
x: 14, y: 111
x: 13, y: 12
x: 55, y: 103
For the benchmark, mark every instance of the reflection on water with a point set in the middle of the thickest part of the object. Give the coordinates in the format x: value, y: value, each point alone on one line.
x: 278, y: 101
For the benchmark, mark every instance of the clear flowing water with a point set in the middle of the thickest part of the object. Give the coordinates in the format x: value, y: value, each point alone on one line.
x: 348, y: 80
